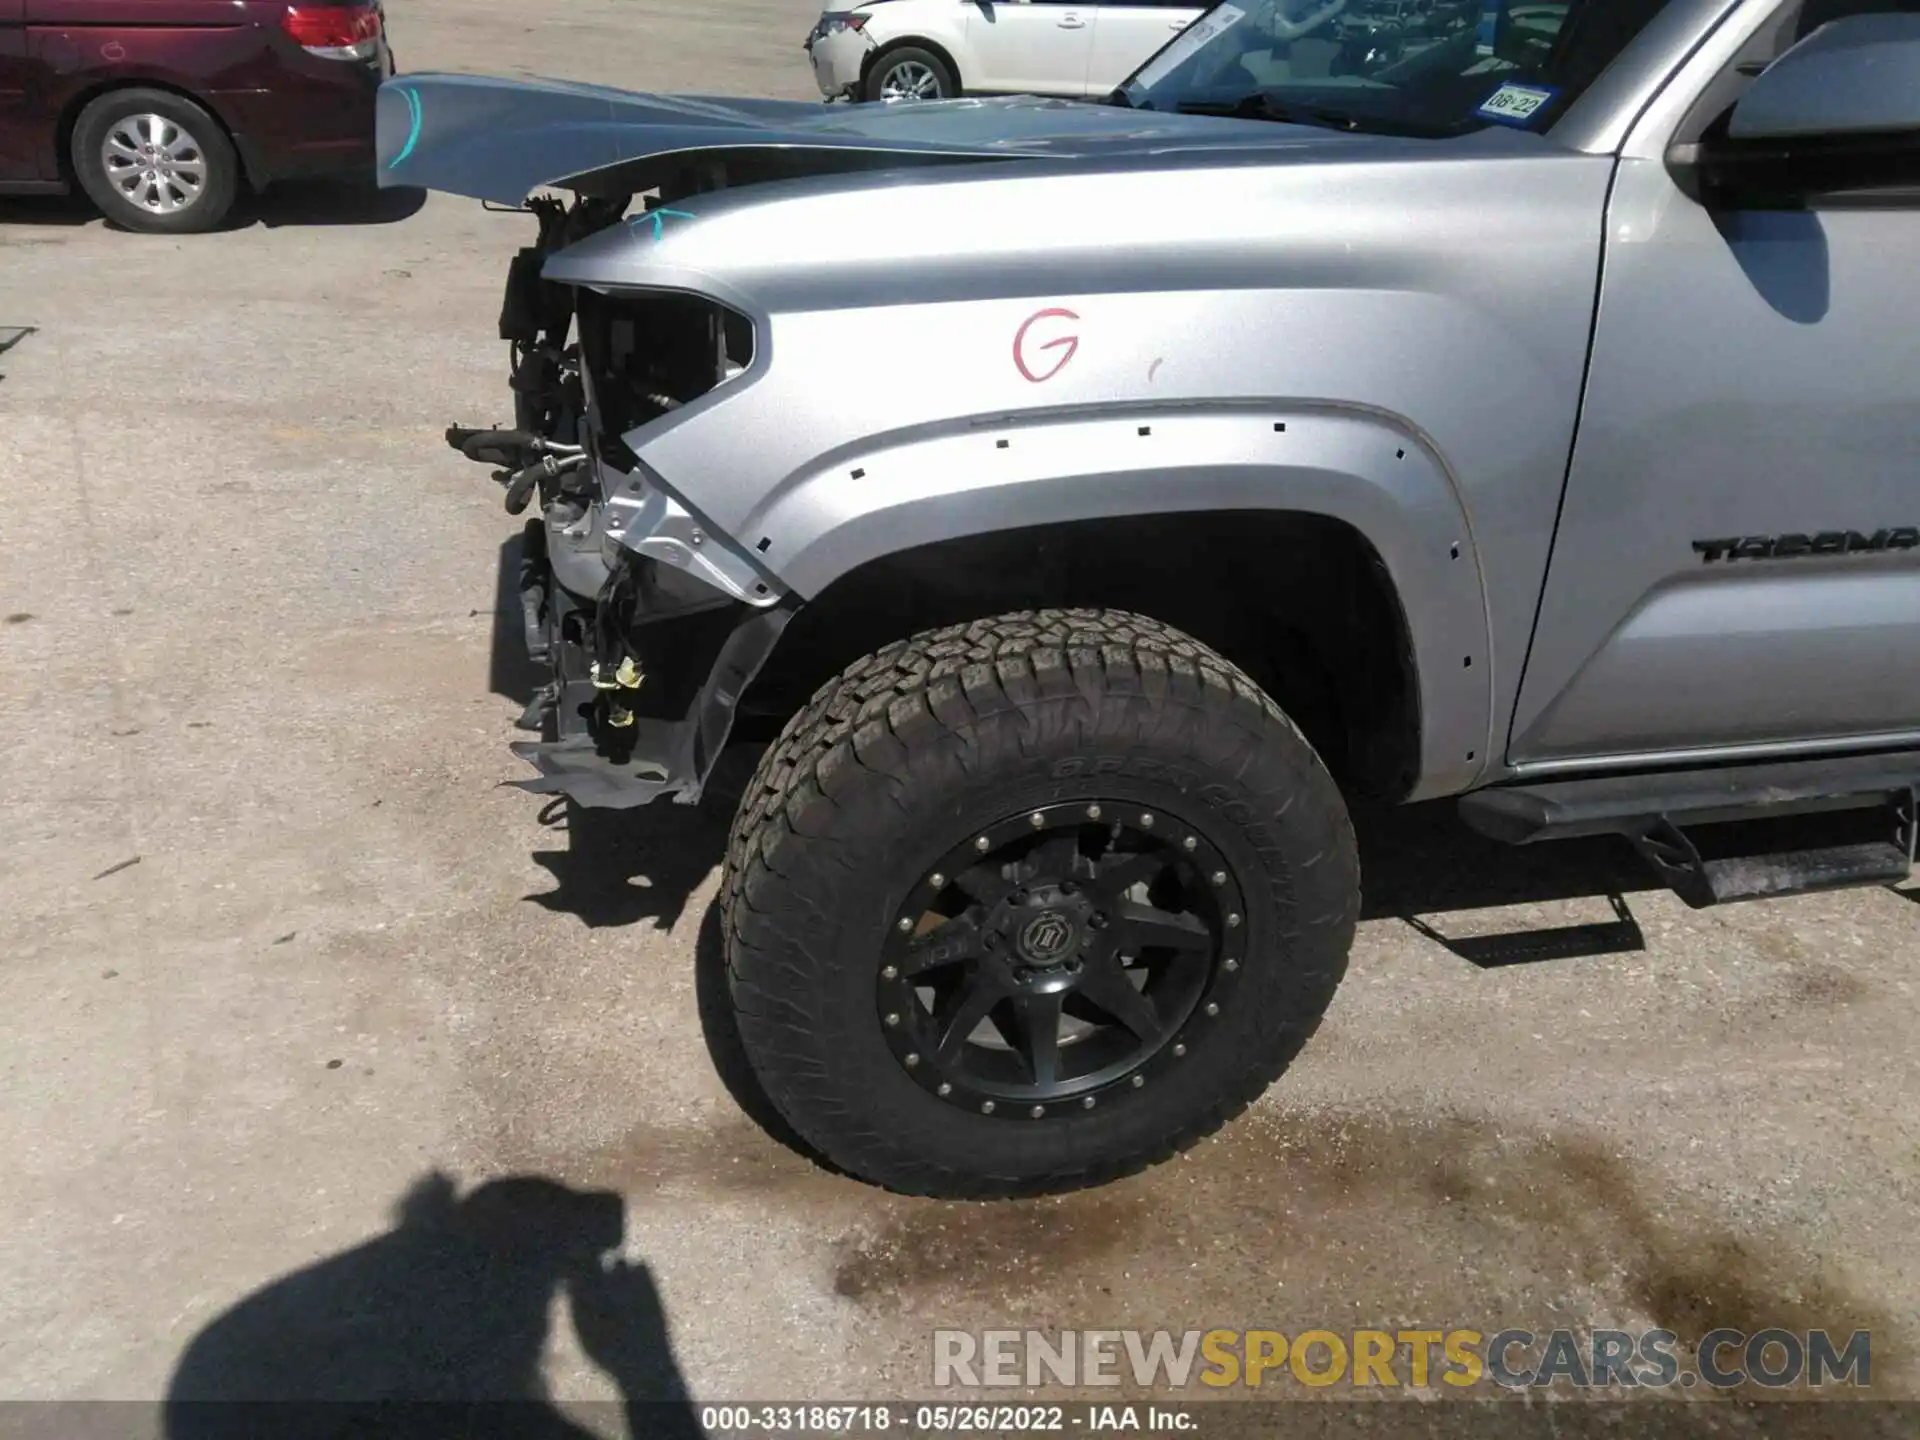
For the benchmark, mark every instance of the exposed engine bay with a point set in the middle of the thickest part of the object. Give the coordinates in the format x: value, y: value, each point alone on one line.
x: 646, y: 631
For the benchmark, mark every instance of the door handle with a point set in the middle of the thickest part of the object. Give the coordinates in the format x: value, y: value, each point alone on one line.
x: 1072, y: 22
x: 1178, y: 24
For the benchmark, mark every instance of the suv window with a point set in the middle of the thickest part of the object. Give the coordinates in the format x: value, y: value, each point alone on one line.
x: 1435, y: 67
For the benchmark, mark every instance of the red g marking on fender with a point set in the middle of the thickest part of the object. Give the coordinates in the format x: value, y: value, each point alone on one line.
x: 1071, y: 342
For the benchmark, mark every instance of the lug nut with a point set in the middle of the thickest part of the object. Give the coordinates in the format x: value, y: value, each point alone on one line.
x: 906, y: 924
x: 1036, y: 819
x: 1231, y: 965
x: 1093, y: 812
x: 1190, y: 843
x: 912, y: 1060
x: 1212, y: 1009
x: 1138, y: 1081
x: 892, y: 972
x: 1179, y: 1050
x: 1037, y: 1111
x: 982, y: 844
x: 893, y: 1020
x: 1219, y: 877
x: 1233, y: 921
x: 1087, y: 1104
x: 1146, y: 822
x: 945, y: 1089
x: 992, y: 942
x: 986, y: 1107
x: 937, y: 880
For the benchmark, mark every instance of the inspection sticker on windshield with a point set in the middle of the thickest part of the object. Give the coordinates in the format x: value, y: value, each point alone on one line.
x: 1516, y: 104
x: 1223, y: 18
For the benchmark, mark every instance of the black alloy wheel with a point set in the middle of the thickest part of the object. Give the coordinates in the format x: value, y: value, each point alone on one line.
x: 1058, y: 958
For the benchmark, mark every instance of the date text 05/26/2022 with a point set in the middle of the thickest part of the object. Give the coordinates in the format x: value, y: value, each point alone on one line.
x: 935, y: 1419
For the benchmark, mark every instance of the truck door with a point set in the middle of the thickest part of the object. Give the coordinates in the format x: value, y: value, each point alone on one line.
x: 20, y: 126
x: 1737, y: 566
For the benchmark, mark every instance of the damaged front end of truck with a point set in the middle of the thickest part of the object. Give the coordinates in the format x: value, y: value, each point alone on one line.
x: 647, y: 624
x: 641, y: 306
x: 647, y: 621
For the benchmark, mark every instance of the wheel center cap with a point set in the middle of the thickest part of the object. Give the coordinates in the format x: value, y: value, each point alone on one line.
x: 1047, y: 938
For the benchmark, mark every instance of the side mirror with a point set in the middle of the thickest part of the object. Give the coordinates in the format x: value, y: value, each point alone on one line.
x: 1837, y: 114
x: 1856, y: 76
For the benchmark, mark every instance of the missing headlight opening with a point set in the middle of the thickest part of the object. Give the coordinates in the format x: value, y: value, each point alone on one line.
x: 646, y: 354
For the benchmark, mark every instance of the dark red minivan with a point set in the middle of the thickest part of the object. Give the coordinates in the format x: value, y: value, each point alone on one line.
x: 161, y: 110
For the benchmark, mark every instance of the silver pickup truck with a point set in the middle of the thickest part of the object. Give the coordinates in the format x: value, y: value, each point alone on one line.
x: 1081, y: 504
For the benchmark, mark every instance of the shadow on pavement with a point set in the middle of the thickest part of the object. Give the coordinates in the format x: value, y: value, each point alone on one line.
x: 12, y: 335
x: 448, y: 1309
x: 1419, y: 863
x: 353, y: 201
x: 620, y: 867
x: 71, y: 209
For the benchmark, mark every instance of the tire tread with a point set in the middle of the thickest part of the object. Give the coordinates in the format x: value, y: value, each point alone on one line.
x: 932, y: 690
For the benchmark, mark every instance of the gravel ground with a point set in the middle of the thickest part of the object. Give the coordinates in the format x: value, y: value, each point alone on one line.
x: 279, y: 949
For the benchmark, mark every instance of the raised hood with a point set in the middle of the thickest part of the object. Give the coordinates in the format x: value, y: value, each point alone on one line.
x: 501, y: 140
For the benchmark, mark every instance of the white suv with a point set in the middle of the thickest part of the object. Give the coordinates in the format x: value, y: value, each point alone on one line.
x: 931, y: 49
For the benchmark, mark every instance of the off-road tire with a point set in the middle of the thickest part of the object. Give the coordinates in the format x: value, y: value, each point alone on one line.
x: 222, y: 179
x: 874, y: 86
x: 909, y: 751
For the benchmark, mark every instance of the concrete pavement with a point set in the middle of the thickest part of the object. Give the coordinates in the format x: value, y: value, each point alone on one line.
x: 248, y: 643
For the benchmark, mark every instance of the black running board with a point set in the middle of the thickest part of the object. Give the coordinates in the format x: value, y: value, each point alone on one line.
x: 1654, y: 810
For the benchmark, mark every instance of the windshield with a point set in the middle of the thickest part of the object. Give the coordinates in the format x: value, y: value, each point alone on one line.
x: 1422, y: 67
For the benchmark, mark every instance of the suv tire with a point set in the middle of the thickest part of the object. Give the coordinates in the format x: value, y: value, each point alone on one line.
x: 1047, y: 796
x: 192, y: 181
x: 910, y: 69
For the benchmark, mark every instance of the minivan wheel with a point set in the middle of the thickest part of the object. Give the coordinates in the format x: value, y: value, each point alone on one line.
x: 910, y: 74
x: 153, y: 161
x: 1032, y: 903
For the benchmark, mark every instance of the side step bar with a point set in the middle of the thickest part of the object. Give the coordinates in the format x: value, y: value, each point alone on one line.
x: 1653, y: 811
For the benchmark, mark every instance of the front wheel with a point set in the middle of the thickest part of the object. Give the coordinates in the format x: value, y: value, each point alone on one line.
x: 910, y: 73
x: 1033, y: 903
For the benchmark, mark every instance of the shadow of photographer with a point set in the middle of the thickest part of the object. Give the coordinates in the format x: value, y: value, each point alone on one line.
x: 440, y: 1326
